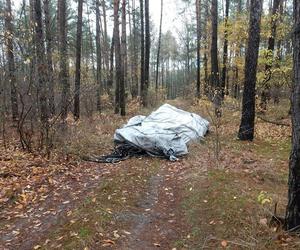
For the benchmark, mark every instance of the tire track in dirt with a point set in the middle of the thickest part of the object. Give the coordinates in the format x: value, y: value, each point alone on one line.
x: 157, y: 222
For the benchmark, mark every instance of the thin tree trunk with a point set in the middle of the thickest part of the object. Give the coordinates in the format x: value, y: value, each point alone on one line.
x: 63, y: 59
x: 225, y: 49
x: 49, y: 56
x: 124, y: 61
x: 111, y: 68
x: 246, y: 131
x: 117, y: 55
x: 106, y: 44
x: 98, y: 52
x: 41, y: 63
x: 147, y: 55
x: 236, y: 86
x: 135, y: 80
x: 91, y: 43
x: 159, y: 44
x: 214, y: 58
x: 78, y: 61
x: 198, y: 20
x: 265, y: 95
x: 11, y: 60
x: 142, y: 87
x: 205, y: 58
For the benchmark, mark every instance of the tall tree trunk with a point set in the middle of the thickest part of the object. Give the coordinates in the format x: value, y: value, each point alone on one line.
x: 198, y: 20
x: 205, y: 58
x: 293, y: 206
x: 124, y: 61
x: 63, y: 58
x: 225, y: 49
x: 265, y: 95
x: 246, y: 131
x: 158, y: 46
x: 117, y: 55
x: 111, y: 67
x: 98, y: 52
x: 11, y: 60
x: 91, y: 41
x: 142, y: 83
x: 49, y: 56
x: 147, y: 54
x: 78, y: 61
x: 135, y: 80
x: 32, y: 48
x: 41, y: 65
x: 106, y: 45
x: 215, y: 81
x: 276, y: 96
x: 236, y: 85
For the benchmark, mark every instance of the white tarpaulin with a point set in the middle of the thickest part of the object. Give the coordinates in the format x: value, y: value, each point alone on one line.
x: 165, y: 131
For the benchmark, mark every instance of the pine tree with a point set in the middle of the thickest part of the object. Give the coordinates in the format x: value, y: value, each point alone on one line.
x: 246, y: 131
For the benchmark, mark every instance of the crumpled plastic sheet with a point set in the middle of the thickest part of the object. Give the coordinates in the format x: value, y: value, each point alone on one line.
x: 165, y: 132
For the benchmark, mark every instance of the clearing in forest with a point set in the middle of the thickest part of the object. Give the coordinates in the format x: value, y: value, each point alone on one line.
x: 206, y: 200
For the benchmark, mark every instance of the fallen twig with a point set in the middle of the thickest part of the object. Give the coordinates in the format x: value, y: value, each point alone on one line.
x: 274, y: 122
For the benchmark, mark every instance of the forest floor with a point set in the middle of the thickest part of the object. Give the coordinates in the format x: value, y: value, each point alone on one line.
x: 209, y: 199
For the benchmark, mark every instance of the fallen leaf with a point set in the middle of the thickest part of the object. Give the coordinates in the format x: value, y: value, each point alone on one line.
x: 224, y: 243
x: 116, y: 235
x: 263, y: 222
x: 108, y: 242
x: 46, y: 242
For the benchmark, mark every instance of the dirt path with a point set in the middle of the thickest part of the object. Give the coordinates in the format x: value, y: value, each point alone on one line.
x: 158, y: 223
x: 154, y: 221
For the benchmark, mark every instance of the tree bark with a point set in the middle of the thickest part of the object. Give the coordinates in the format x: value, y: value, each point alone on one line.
x: 142, y: 49
x: 11, y: 60
x: 147, y: 54
x: 124, y: 61
x: 49, y: 56
x: 98, y: 56
x: 236, y: 85
x: 117, y: 55
x: 78, y: 61
x: 135, y: 80
x: 106, y: 45
x: 41, y: 64
x: 198, y: 20
x: 111, y: 67
x: 293, y: 206
x: 246, y: 130
x: 205, y: 58
x: 215, y: 80
x: 63, y: 58
x: 225, y: 49
x: 158, y: 46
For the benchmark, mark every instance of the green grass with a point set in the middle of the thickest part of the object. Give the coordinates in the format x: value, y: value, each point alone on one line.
x: 227, y: 210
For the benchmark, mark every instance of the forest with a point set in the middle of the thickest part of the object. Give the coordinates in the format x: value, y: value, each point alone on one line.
x: 73, y: 72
